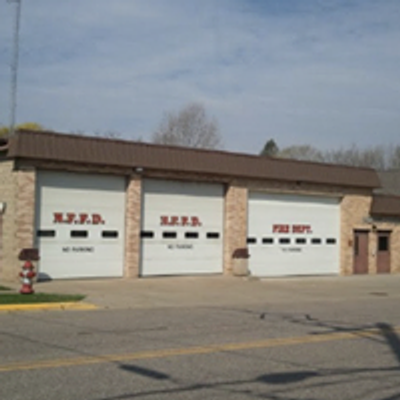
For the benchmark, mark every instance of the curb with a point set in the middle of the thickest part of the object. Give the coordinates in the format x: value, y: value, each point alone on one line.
x: 46, y: 307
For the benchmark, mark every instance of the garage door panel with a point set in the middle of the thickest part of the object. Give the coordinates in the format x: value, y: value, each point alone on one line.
x: 313, y: 220
x: 174, y: 212
x: 74, y: 214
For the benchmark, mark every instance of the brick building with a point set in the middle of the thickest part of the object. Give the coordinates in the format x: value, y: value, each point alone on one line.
x: 111, y: 208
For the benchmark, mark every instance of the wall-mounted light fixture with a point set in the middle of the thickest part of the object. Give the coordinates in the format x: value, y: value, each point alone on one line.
x: 138, y: 170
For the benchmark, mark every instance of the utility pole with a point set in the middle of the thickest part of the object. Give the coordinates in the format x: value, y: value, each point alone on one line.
x: 14, y: 65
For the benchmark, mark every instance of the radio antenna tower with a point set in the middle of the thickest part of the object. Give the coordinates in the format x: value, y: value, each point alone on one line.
x: 14, y: 65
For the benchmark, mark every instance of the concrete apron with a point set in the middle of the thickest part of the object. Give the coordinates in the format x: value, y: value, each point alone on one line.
x: 213, y: 291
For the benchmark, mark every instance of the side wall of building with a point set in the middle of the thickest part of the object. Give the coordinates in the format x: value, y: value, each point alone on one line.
x: 356, y: 216
x: 17, y: 189
x: 7, y: 238
x: 355, y: 206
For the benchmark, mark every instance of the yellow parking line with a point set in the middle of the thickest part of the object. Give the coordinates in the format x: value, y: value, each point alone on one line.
x: 46, y: 306
x: 268, y: 343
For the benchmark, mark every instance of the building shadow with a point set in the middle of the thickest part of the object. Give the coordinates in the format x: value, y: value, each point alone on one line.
x: 391, y: 338
x: 279, y: 385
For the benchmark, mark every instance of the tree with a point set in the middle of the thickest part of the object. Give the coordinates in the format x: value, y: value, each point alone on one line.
x: 394, y: 158
x: 378, y: 157
x: 189, y: 127
x: 372, y: 157
x: 111, y: 134
x: 302, y: 152
x: 31, y: 126
x: 270, y: 149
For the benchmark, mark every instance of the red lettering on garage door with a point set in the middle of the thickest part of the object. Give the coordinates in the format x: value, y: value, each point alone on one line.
x: 285, y: 228
x: 58, y: 218
x: 179, y: 221
x: 81, y: 219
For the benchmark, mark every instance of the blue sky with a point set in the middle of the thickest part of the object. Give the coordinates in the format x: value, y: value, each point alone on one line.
x: 321, y: 72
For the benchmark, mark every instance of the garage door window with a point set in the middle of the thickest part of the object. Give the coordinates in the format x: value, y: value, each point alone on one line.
x: 46, y: 233
x: 191, y: 235
x: 169, y: 235
x: 330, y: 241
x: 147, y: 234
x: 251, y: 240
x: 212, y: 235
x: 268, y: 241
x: 109, y: 234
x: 316, y: 241
x: 301, y: 241
x: 284, y: 241
x: 79, y: 234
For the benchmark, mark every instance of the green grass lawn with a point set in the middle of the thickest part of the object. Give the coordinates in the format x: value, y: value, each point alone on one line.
x: 16, y: 298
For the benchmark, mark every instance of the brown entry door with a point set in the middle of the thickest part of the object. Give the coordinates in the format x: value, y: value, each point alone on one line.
x: 360, y: 252
x: 1, y: 242
x: 383, y: 253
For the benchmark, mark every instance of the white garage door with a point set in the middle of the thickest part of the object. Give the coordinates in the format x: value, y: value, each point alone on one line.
x: 182, y: 226
x: 80, y: 225
x: 293, y: 235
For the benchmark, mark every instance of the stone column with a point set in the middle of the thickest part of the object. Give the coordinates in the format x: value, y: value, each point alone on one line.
x: 235, y: 224
x: 132, y: 226
x: 373, y: 252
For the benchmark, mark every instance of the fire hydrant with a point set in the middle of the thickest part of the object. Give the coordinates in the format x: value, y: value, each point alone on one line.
x: 27, y: 274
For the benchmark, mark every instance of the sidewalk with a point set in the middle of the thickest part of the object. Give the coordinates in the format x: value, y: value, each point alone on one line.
x: 220, y: 290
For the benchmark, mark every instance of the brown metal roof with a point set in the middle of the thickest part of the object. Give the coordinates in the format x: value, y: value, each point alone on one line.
x: 386, y: 206
x: 390, y: 181
x: 49, y: 146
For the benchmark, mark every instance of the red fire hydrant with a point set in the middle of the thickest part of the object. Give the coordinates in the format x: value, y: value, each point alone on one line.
x: 28, y: 270
x: 27, y: 274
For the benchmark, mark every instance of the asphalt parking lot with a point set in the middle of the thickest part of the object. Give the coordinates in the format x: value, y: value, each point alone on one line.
x: 208, y: 337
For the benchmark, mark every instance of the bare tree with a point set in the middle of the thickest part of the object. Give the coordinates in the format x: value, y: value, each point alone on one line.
x: 378, y: 157
x: 109, y: 134
x: 190, y: 127
x: 394, y: 158
x: 373, y: 157
x: 302, y: 152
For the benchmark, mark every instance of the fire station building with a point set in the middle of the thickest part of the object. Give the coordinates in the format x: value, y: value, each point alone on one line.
x: 99, y: 208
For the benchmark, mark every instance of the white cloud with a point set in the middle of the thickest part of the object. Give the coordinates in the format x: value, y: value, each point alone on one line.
x: 323, y: 72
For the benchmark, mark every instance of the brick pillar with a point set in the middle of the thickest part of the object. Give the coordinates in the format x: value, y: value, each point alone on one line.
x: 372, y: 252
x: 132, y: 226
x: 395, y: 249
x: 25, y: 196
x: 235, y: 235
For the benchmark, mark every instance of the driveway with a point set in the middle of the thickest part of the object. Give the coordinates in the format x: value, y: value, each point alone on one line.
x: 221, y: 290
